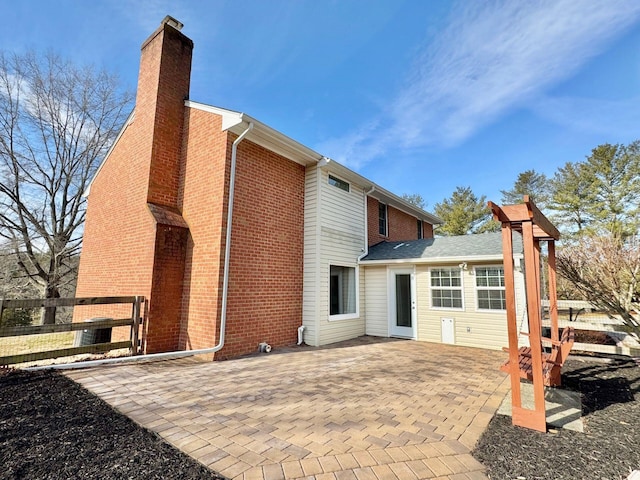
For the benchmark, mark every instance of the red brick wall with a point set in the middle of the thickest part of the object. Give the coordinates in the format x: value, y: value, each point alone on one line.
x: 118, y: 245
x: 265, y: 285
x: 265, y: 279
x: 203, y: 201
x: 400, y: 225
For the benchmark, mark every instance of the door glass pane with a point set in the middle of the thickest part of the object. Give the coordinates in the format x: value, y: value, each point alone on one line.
x: 403, y: 300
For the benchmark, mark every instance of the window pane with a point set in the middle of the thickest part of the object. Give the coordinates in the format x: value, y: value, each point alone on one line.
x: 336, y: 182
x: 342, y: 290
x: 490, y: 291
x: 382, y: 219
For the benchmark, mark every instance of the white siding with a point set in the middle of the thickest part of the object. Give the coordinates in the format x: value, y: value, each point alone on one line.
x: 376, y: 301
x: 311, y: 262
x: 342, y: 234
x: 473, y: 327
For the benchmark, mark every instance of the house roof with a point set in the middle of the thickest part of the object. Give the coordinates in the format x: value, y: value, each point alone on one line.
x: 479, y: 247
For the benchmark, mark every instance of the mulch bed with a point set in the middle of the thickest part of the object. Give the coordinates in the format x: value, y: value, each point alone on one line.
x: 609, y: 448
x: 51, y: 427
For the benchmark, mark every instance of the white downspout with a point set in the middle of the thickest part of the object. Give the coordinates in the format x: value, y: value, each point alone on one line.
x: 225, y: 288
x: 365, y: 250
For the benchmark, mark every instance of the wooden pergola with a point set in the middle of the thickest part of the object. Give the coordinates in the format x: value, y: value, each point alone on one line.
x: 529, y: 362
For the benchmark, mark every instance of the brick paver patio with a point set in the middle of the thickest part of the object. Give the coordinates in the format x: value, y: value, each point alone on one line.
x: 366, y: 409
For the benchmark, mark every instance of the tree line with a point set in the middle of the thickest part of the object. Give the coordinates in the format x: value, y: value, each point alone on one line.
x: 595, y: 203
x: 597, y: 196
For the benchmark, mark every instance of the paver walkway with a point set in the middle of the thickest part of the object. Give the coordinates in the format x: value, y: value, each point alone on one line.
x: 367, y: 409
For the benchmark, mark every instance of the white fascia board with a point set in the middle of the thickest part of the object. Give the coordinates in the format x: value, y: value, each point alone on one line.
x: 127, y: 122
x: 439, y: 260
x: 261, y: 134
x: 229, y: 118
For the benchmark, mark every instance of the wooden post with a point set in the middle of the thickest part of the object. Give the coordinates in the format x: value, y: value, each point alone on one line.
x: 536, y: 418
x: 553, y: 294
x: 512, y: 321
x: 136, y: 325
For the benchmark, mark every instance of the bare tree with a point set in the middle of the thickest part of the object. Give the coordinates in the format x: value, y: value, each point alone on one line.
x: 606, y: 271
x: 57, y: 122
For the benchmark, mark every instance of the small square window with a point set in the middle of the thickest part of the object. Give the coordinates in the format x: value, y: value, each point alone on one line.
x: 336, y: 182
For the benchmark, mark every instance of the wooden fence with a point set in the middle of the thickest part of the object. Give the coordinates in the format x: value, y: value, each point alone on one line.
x: 134, y: 321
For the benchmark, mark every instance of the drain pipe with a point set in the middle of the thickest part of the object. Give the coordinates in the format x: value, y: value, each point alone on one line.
x: 301, y: 330
x: 225, y: 288
x: 365, y: 250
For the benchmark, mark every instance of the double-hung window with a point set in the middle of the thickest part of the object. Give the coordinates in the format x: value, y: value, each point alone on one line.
x: 490, y: 290
x: 382, y: 219
x: 446, y: 288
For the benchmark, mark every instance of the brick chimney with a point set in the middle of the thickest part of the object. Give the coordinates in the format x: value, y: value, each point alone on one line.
x: 163, y: 86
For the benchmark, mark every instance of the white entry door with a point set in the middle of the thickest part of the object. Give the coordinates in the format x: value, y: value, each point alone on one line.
x: 402, y: 303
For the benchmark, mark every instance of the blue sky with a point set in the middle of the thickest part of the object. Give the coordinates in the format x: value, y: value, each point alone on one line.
x: 419, y: 96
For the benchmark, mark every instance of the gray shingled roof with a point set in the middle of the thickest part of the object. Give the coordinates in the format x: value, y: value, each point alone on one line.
x: 462, y: 246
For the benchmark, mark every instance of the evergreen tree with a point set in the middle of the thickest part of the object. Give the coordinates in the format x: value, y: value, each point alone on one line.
x: 614, y: 173
x: 464, y: 213
x: 415, y: 199
x: 571, y: 199
x: 531, y: 183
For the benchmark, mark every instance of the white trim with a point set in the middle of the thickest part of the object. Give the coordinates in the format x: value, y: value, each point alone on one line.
x: 439, y: 260
x: 318, y: 252
x: 344, y: 316
x: 461, y: 288
x: 391, y: 303
x: 476, y: 288
x: 127, y: 122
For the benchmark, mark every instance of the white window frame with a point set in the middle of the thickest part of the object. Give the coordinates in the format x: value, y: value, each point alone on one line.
x: 386, y: 219
x: 343, y: 316
x: 461, y: 288
x: 331, y: 175
x: 477, y: 288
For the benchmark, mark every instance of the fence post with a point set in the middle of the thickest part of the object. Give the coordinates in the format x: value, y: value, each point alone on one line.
x: 136, y: 325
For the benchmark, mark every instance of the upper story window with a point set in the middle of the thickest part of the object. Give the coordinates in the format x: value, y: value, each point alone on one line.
x: 336, y: 182
x: 419, y: 229
x: 382, y: 219
x: 490, y: 290
x: 446, y: 288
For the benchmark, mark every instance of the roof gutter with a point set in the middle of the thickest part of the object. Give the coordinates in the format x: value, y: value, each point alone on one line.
x: 225, y: 288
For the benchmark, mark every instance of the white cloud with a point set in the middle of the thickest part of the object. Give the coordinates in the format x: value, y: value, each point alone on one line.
x: 491, y: 57
x: 617, y: 120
